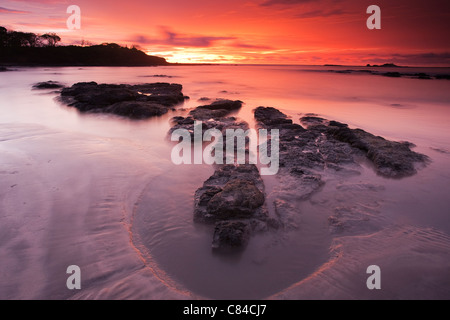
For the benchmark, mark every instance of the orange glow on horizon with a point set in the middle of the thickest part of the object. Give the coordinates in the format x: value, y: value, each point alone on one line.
x: 253, y: 31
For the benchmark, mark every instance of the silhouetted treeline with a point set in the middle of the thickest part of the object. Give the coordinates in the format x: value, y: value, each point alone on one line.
x: 29, y: 49
x: 15, y: 39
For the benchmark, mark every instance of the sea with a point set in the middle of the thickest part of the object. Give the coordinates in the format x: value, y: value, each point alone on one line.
x: 101, y: 192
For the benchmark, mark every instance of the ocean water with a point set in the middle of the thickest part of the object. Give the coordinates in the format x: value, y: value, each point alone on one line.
x: 101, y: 192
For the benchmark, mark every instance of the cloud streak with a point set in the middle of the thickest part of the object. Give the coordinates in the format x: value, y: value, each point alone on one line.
x: 250, y: 46
x: 6, y: 10
x: 320, y: 13
x: 171, y: 38
x: 307, y: 8
x: 285, y: 2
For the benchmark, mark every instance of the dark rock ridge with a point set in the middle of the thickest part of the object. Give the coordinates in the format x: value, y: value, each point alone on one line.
x: 212, y: 116
x: 133, y: 101
x: 333, y: 145
x: 271, y: 118
x: 391, y: 159
x: 303, y: 155
x: 216, y: 110
x: 157, y: 76
x: 233, y: 200
x: 386, y: 65
x: 48, y: 85
x: 274, y: 119
x: 330, y: 149
x: 223, y: 104
x: 391, y: 74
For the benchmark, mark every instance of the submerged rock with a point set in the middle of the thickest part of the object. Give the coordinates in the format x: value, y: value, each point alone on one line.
x: 392, y: 74
x: 48, y: 85
x: 206, y: 114
x: 231, y: 235
x: 443, y: 76
x: 136, y: 109
x: 133, y: 101
x: 223, y: 104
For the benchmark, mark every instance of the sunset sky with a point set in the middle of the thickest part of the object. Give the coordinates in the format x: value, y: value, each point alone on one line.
x: 413, y: 32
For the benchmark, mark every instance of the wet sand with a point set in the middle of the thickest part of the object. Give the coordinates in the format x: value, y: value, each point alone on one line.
x: 60, y: 207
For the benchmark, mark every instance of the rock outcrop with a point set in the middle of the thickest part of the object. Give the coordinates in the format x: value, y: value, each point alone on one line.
x: 391, y: 158
x: 233, y: 200
x: 133, y: 101
x: 332, y: 145
x: 213, y: 116
x: 323, y: 148
x: 48, y: 85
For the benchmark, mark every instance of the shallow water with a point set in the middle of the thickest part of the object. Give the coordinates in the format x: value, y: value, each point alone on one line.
x: 101, y: 192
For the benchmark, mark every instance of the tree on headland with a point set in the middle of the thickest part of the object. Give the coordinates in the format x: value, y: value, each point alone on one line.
x: 86, y: 43
x: 16, y: 39
x: 111, y: 45
x: 25, y: 48
x: 3, y: 36
x: 51, y: 38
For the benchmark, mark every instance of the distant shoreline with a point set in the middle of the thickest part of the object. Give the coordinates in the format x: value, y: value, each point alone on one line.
x: 386, y: 71
x: 3, y: 64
